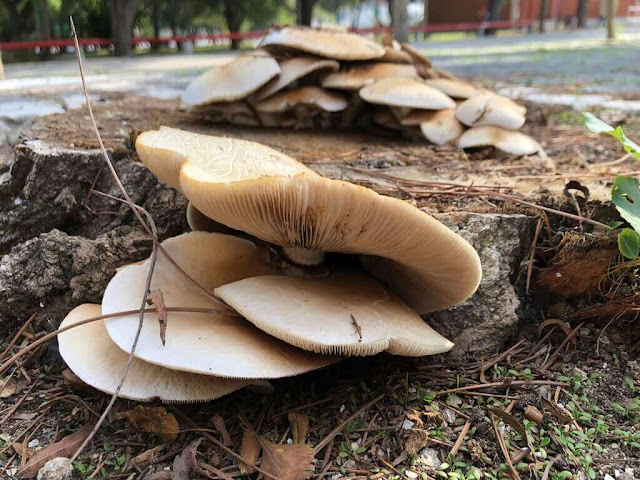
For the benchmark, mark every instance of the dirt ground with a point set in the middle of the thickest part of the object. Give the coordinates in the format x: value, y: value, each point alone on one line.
x: 569, y: 382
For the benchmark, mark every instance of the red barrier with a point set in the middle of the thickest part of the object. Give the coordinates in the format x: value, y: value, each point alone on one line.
x: 228, y: 36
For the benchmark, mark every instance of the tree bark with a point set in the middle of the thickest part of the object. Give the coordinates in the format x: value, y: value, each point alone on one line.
x: 494, y: 14
x: 425, y: 19
x: 155, y: 14
x: 544, y: 7
x: 123, y: 13
x: 304, y: 11
x: 233, y: 15
x: 612, y: 8
x: 44, y: 26
x: 400, y: 20
x: 581, y: 13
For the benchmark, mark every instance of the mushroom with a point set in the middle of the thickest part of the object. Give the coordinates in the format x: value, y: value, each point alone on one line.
x: 203, y: 343
x: 491, y: 109
x: 406, y: 93
x: 198, y: 222
x: 278, y: 200
x: 96, y: 360
x: 330, y: 43
x: 292, y: 69
x: 453, y: 88
x: 422, y: 63
x: 346, y: 313
x: 358, y: 76
x: 232, y: 81
x: 315, y: 97
x: 508, y: 141
x: 387, y: 119
x: 393, y: 55
x: 439, y: 126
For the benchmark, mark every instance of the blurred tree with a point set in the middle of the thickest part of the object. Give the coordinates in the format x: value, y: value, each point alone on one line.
x: 304, y: 11
x: 612, y: 9
x: 581, y: 13
x: 123, y: 13
x: 494, y: 14
x: 19, y: 16
x: 234, y: 14
x: 399, y: 20
x: 544, y: 8
x: 43, y: 25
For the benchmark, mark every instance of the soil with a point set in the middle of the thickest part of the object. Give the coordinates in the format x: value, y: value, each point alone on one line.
x: 391, y: 417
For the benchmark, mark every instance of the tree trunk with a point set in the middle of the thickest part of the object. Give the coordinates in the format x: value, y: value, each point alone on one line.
x: 425, y: 19
x: 123, y: 13
x: 44, y: 26
x: 304, y: 11
x: 1, y: 67
x: 233, y: 15
x: 544, y: 7
x: 581, y: 13
x: 612, y: 8
x: 494, y: 14
x: 400, y: 20
x: 155, y: 14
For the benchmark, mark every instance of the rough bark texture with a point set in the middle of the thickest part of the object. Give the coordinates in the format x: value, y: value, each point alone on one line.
x: 54, y: 272
x: 233, y: 14
x: 483, y: 323
x: 123, y: 13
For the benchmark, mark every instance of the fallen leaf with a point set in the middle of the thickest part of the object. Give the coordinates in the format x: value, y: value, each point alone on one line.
x: 154, y: 420
x: 533, y: 414
x: 513, y: 423
x: 250, y: 450
x: 288, y: 462
x: 156, y: 300
x: 161, y: 475
x: 25, y: 416
x: 416, y: 417
x: 415, y: 441
x: 218, y: 422
x: 148, y: 455
x: 299, y: 426
x: 62, y: 448
x: 187, y: 462
x: 8, y: 387
x: 559, y: 412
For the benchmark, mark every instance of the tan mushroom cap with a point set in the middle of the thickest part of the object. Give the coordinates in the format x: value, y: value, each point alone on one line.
x: 439, y: 127
x: 387, y: 119
x: 199, y: 222
x: 292, y: 69
x: 233, y: 81
x: 405, y: 92
x: 321, y: 314
x: 210, y: 344
x: 317, y: 97
x: 491, y: 109
x: 328, y: 43
x: 358, y: 76
x: 272, y: 197
x: 508, y: 141
x: 394, y: 55
x: 96, y: 360
x: 453, y: 88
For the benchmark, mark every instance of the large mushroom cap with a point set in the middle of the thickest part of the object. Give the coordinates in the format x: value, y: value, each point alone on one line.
x: 406, y: 92
x: 96, y: 360
x: 491, y: 109
x: 347, y: 313
x: 233, y: 81
x: 308, y: 96
x: 356, y: 77
x: 508, y: 141
x: 292, y: 69
x: 453, y: 88
x: 325, y: 43
x: 425, y: 263
x: 210, y: 344
x: 439, y: 126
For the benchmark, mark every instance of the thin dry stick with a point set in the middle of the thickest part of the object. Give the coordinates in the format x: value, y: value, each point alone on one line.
x: 124, y: 313
x: 505, y: 450
x: 460, y: 439
x: 500, y: 384
x: 532, y: 255
x: 553, y: 356
x: 18, y: 335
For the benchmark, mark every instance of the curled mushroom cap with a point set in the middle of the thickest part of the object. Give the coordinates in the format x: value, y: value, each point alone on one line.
x: 356, y: 77
x: 406, y: 92
x: 329, y: 43
x: 96, y: 360
x: 395, y: 55
x: 347, y: 313
x: 453, y: 88
x: 205, y: 343
x: 491, y: 109
x: 426, y: 264
x: 439, y: 127
x: 232, y: 81
x: 508, y: 141
x: 308, y: 96
x: 292, y: 69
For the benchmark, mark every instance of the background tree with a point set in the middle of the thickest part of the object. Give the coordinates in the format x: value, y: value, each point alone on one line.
x: 544, y: 9
x: 612, y: 9
x: 581, y: 13
x: 304, y: 11
x: 494, y: 14
x: 123, y: 13
x: 399, y: 20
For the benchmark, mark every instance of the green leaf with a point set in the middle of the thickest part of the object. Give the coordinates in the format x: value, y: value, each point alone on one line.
x: 629, y: 244
x: 615, y: 224
x: 625, y: 195
x: 598, y: 126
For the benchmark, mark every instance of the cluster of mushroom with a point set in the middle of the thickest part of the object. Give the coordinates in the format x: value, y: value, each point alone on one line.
x: 320, y: 78
x: 314, y: 269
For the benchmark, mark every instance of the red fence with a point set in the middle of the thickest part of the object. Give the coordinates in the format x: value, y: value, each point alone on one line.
x: 228, y: 36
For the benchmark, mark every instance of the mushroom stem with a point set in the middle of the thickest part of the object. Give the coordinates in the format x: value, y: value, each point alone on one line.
x: 303, y: 257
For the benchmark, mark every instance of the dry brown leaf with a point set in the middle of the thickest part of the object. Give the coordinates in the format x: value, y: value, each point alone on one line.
x: 288, y: 462
x: 218, y: 422
x: 416, y: 417
x: 559, y: 412
x: 513, y: 423
x: 299, y: 426
x: 8, y: 387
x: 533, y: 414
x: 154, y: 420
x: 187, y: 462
x: 415, y: 441
x: 62, y: 448
x: 148, y: 455
x: 156, y: 300
x: 250, y: 449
